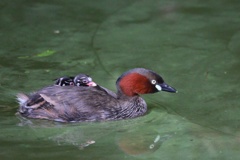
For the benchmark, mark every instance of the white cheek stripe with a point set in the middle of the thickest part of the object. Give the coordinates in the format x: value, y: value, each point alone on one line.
x: 158, y: 87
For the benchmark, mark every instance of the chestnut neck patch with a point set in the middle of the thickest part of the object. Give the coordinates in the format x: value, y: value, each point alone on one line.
x: 134, y: 83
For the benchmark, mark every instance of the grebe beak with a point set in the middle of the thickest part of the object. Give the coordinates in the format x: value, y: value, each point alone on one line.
x: 165, y: 87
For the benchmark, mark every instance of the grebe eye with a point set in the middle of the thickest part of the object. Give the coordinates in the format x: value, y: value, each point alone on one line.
x: 153, y: 81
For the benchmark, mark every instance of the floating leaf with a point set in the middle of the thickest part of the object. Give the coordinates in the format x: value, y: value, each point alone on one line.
x: 23, y: 57
x: 46, y: 53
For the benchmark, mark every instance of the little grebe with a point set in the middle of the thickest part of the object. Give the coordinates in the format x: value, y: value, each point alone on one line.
x: 77, y: 104
x: 83, y: 80
x: 78, y: 80
x: 64, y: 81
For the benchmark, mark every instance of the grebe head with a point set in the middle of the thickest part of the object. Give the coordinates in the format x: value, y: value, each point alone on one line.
x: 142, y: 81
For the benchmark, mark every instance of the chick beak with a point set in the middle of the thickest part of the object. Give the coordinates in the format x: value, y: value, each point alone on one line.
x: 165, y: 87
x: 92, y: 84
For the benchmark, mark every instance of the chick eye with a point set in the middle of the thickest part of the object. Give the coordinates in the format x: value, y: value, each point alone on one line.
x: 153, y: 81
x: 84, y: 81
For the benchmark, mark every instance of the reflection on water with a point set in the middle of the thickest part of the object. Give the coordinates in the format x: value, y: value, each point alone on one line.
x: 76, y: 138
x: 137, y: 143
x: 193, y: 44
x: 129, y: 140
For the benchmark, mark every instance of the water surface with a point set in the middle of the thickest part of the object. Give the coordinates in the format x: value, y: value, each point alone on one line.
x: 194, y: 45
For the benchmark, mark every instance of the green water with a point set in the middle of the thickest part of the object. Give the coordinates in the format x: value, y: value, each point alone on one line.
x: 193, y: 44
